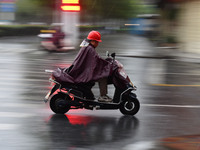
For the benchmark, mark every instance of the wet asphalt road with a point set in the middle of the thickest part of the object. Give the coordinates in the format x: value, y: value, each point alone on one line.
x: 168, y: 90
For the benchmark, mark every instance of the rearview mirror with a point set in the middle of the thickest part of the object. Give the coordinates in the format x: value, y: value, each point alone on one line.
x: 113, y: 55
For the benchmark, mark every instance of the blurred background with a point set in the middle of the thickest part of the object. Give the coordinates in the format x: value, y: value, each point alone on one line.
x: 168, y: 23
x: 157, y: 41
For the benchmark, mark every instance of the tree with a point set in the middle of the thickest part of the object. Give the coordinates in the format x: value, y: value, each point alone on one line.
x: 40, y: 10
x: 37, y: 10
x: 108, y: 8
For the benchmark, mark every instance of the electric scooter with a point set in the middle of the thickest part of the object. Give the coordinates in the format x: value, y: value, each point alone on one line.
x: 65, y: 96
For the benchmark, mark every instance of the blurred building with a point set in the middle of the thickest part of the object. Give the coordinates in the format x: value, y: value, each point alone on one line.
x: 189, y: 23
x: 181, y: 19
x: 7, y: 10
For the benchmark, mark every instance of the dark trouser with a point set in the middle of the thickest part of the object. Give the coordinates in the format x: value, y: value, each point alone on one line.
x: 119, y: 82
x: 103, y: 86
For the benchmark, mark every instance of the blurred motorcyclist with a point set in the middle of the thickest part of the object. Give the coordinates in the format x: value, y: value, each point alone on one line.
x: 57, y: 37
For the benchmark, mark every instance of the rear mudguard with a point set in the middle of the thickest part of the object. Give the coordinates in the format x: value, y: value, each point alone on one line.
x: 55, y: 88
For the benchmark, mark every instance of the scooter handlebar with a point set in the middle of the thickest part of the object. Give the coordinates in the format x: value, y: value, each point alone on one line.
x: 113, y: 55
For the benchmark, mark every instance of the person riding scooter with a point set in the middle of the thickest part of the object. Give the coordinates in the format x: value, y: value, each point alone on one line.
x: 89, y: 67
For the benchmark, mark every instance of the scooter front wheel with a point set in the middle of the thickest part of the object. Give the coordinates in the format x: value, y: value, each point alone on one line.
x: 130, y: 106
x: 58, y: 104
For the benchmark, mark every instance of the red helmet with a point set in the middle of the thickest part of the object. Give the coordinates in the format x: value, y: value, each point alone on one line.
x: 94, y: 35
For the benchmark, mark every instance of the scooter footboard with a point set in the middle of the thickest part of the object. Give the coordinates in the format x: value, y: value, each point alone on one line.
x: 109, y: 106
x: 103, y: 105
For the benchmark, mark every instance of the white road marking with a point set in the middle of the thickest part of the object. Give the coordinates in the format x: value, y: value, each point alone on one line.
x: 18, y: 105
x: 143, y: 145
x: 15, y: 115
x: 175, y: 106
x: 25, y: 97
x: 24, y: 79
x: 9, y: 126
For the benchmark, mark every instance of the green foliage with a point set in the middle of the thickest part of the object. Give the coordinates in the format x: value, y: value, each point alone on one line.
x: 171, y: 39
x: 20, y: 30
x: 118, y: 9
x: 42, y: 10
x: 34, y: 10
x: 109, y: 8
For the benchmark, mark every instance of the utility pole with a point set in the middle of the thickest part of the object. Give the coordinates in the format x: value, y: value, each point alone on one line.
x: 70, y: 10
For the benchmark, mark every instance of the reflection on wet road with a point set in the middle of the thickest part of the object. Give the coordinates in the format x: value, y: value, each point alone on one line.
x: 27, y: 123
x: 78, y: 131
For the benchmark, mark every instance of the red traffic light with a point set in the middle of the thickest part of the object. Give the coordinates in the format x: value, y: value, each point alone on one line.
x: 70, y: 1
x: 70, y: 5
x: 70, y: 8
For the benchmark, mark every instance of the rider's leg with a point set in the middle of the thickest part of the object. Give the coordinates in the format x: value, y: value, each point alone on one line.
x: 103, y: 86
x: 103, y: 90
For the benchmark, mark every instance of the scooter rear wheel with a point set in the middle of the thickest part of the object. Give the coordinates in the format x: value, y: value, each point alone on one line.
x: 58, y: 104
x: 130, y: 106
